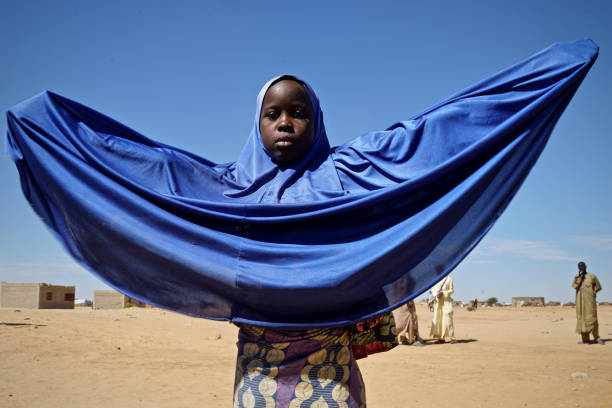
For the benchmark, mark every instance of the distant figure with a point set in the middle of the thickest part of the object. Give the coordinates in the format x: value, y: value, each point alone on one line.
x: 407, y: 324
x: 442, y: 323
x: 587, y: 286
x: 430, y: 301
x: 475, y: 304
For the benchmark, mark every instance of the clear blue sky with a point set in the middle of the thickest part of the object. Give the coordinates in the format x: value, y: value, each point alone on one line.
x: 187, y: 73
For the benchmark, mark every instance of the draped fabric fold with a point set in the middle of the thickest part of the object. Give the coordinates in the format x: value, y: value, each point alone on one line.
x: 340, y: 236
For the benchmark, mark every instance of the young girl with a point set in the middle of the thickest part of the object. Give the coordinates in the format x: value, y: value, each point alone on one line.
x: 302, y: 368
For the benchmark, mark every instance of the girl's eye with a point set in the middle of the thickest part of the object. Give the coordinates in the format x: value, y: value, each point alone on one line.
x: 299, y: 114
x: 271, y: 115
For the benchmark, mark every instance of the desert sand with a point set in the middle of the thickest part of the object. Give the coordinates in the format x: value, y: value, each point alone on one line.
x: 504, y: 357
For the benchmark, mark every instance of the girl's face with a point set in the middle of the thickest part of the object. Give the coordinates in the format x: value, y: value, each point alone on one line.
x: 286, y: 121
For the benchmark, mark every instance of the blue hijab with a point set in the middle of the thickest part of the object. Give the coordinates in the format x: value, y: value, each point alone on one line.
x: 341, y: 235
x: 257, y: 178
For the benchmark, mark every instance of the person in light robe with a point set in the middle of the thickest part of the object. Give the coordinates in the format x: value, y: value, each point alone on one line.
x: 442, y: 323
x: 430, y: 301
x: 407, y: 324
x: 587, y: 285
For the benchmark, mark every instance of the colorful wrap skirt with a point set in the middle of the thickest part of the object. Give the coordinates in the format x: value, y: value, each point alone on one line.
x: 307, y: 368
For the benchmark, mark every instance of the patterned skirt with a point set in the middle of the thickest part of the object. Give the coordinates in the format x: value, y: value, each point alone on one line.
x: 307, y: 368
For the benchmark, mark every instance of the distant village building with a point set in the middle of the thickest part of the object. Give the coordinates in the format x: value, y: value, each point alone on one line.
x: 110, y: 299
x: 527, y: 301
x: 83, y: 302
x: 36, y: 296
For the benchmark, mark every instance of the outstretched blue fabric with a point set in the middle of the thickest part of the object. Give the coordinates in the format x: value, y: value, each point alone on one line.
x: 340, y: 236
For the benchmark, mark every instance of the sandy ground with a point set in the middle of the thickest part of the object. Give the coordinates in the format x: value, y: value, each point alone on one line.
x: 153, y: 358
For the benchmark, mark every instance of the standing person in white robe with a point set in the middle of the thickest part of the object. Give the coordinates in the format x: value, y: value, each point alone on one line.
x: 442, y: 323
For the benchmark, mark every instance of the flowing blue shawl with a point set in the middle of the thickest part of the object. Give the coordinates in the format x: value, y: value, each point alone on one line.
x: 339, y: 236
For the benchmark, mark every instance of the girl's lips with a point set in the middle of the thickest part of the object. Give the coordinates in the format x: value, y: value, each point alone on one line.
x: 284, y: 142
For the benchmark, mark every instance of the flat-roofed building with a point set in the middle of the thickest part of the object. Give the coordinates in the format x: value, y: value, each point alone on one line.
x: 527, y: 301
x: 111, y: 299
x: 36, y: 296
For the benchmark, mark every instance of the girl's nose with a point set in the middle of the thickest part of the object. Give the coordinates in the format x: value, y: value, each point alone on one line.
x: 284, y: 123
x: 284, y: 118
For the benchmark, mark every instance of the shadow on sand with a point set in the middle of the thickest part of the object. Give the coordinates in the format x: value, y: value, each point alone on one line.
x: 21, y: 324
x: 434, y: 342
